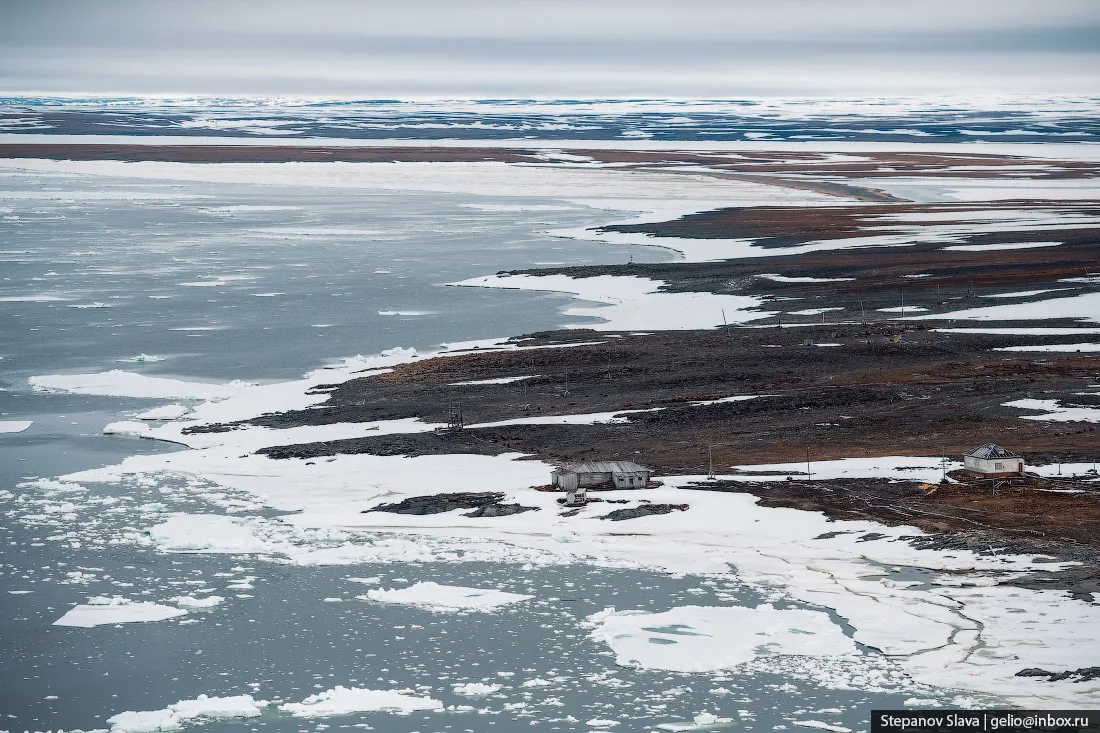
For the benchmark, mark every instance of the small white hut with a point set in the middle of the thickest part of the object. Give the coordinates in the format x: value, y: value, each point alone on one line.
x: 993, y: 461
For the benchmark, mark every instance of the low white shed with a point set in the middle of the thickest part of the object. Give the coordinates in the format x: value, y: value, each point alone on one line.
x: 994, y: 461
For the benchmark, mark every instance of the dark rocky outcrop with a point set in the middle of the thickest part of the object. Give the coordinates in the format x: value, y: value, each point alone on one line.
x: 484, y: 504
x: 1085, y: 674
x: 643, y: 510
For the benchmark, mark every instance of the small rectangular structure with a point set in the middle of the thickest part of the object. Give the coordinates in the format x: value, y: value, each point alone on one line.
x: 600, y: 474
x: 993, y: 461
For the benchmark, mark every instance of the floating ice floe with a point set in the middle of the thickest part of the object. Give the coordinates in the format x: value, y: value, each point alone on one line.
x: 699, y: 721
x: 100, y: 610
x: 707, y: 639
x: 446, y: 597
x: 126, y: 427
x: 165, y: 412
x: 144, y: 359
x: 14, y: 426
x: 32, y: 299
x: 818, y: 725
x: 197, y: 603
x: 176, y: 716
x: 214, y: 533
x: 119, y: 383
x: 475, y: 689
x: 342, y: 700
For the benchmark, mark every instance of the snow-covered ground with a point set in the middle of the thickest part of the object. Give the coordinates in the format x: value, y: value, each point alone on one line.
x: 633, y: 303
x: 942, y: 632
x: 956, y: 628
x: 1083, y: 307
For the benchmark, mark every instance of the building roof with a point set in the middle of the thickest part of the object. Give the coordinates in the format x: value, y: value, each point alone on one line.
x: 603, y: 467
x: 991, y: 450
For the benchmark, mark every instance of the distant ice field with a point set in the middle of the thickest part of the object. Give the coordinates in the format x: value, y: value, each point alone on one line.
x: 919, y: 120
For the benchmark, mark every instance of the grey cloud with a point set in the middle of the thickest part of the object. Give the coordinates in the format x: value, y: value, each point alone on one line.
x: 597, y: 47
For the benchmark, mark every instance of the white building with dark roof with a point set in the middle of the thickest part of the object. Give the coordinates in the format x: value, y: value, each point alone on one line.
x: 991, y: 460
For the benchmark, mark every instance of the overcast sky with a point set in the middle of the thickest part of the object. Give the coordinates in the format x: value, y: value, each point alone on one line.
x: 559, y: 48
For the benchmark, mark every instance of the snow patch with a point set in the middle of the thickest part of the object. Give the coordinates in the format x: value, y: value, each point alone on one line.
x: 633, y: 303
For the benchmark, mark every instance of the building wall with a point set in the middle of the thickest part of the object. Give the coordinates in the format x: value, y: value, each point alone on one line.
x: 569, y: 481
x: 566, y: 481
x: 994, y: 466
x: 592, y: 479
x: 631, y: 480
